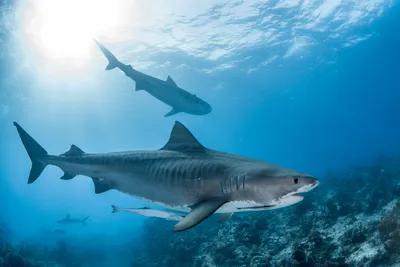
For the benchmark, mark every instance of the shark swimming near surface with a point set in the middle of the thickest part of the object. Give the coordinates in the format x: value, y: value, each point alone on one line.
x: 68, y: 220
x: 182, y: 176
x: 166, y: 91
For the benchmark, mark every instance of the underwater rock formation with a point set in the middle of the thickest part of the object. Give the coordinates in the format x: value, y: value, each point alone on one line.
x: 389, y: 230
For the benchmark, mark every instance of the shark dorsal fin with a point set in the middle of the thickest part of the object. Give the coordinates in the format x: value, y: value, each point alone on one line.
x: 171, y: 82
x: 181, y: 139
x: 73, y: 151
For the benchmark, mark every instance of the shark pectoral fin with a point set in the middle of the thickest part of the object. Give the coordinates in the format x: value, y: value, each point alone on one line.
x: 100, y: 187
x: 67, y: 176
x: 223, y: 217
x: 171, y: 82
x: 73, y: 151
x: 172, y: 112
x: 199, y: 213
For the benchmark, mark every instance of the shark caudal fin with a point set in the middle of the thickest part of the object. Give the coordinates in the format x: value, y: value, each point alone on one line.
x: 85, y: 219
x: 113, y: 62
x: 35, y: 151
x: 115, y: 209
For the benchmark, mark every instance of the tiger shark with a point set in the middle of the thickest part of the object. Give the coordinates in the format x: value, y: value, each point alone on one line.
x: 166, y: 91
x: 183, y: 176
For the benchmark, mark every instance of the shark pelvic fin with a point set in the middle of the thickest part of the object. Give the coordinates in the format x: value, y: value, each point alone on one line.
x: 223, y: 217
x: 67, y: 176
x: 73, y: 151
x: 172, y: 112
x: 100, y: 187
x: 171, y: 82
x: 199, y: 213
x: 181, y: 139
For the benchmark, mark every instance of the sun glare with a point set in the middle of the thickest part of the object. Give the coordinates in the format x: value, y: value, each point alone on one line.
x: 64, y: 28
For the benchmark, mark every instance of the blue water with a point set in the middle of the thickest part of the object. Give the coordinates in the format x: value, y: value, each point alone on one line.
x: 322, y: 95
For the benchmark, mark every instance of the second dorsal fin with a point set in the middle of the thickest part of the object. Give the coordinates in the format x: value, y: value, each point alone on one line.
x: 73, y: 151
x: 181, y: 139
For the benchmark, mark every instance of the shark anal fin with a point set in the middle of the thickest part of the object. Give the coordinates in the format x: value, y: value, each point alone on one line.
x: 172, y: 112
x: 67, y: 176
x: 223, y: 217
x: 73, y: 151
x: 199, y: 213
x: 171, y: 82
x: 100, y: 187
x: 181, y: 139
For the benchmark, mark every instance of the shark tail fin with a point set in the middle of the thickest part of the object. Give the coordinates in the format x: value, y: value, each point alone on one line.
x: 112, y: 60
x: 85, y: 219
x: 115, y: 209
x: 35, y: 151
x: 111, y: 65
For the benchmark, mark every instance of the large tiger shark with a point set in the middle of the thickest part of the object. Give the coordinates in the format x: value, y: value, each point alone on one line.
x: 182, y: 176
x: 166, y: 91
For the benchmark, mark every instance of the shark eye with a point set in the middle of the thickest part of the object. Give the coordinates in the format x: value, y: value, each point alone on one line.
x: 296, y: 180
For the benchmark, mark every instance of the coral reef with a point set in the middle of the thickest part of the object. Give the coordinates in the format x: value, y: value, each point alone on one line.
x: 389, y: 230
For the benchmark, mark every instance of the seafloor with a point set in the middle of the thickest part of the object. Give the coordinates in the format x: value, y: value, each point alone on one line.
x: 351, y: 219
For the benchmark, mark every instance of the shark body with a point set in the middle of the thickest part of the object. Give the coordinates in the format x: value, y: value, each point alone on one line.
x: 148, y: 212
x: 68, y: 220
x: 166, y: 91
x: 182, y: 176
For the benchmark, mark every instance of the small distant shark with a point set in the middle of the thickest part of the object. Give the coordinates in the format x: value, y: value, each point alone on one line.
x: 147, y: 212
x: 181, y: 176
x: 68, y: 220
x: 166, y: 91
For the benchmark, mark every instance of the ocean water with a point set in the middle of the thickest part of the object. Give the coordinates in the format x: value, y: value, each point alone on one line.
x: 310, y: 85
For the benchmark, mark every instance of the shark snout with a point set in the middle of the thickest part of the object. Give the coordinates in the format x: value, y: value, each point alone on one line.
x: 315, y: 184
x: 208, y: 109
x: 308, y: 183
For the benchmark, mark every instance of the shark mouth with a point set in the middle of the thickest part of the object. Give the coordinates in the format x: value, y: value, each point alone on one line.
x: 288, y: 200
x: 308, y: 187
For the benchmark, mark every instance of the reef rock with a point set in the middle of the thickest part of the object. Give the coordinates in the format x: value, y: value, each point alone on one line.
x: 389, y: 230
